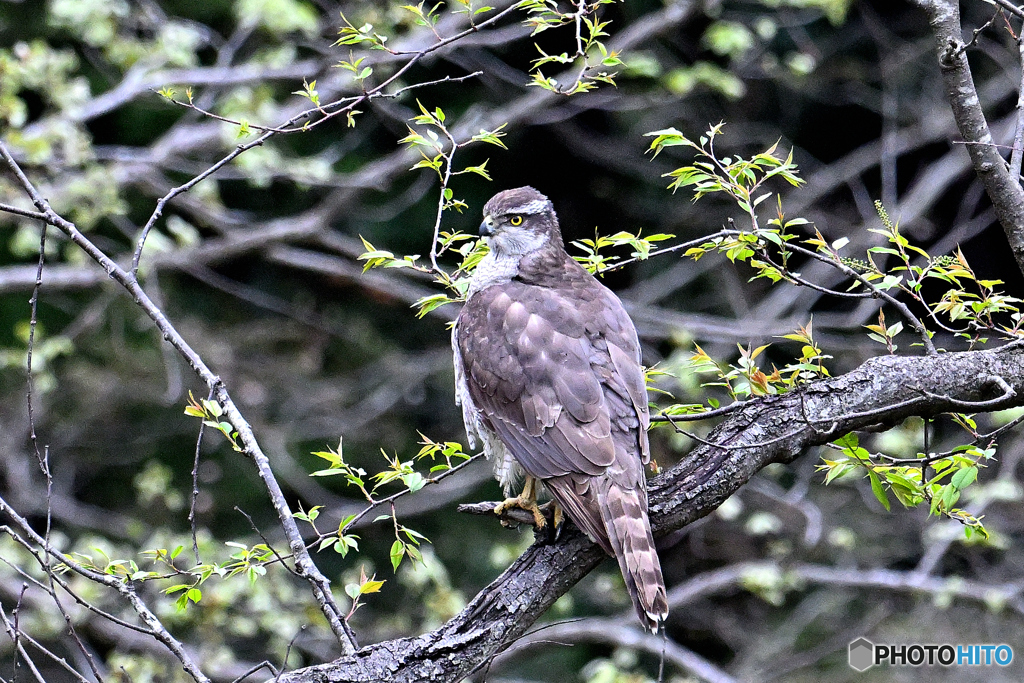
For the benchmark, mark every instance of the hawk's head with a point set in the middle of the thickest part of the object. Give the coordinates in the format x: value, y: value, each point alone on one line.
x: 518, y: 222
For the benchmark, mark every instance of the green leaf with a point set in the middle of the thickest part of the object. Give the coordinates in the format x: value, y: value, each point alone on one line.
x: 414, y: 553
x: 667, y: 137
x: 414, y: 481
x: 876, y: 488
x: 345, y: 522
x: 414, y: 535
x: 950, y: 495
x: 397, y: 553
x: 837, y: 469
x: 344, y: 543
x: 429, y: 303
x: 964, y: 478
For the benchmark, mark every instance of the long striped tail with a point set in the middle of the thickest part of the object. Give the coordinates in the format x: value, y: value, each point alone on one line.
x: 624, y: 512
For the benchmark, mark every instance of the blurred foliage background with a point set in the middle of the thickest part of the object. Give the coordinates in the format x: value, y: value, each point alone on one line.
x: 258, y: 269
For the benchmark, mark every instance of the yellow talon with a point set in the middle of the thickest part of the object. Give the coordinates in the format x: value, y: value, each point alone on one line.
x: 527, y: 500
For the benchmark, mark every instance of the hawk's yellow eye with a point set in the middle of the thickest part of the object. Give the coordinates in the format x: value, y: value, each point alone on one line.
x: 516, y: 220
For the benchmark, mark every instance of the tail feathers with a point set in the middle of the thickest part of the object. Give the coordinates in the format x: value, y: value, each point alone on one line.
x: 624, y: 513
x: 581, y: 505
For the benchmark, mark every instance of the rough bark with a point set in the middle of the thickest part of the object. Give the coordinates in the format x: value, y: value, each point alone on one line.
x: 883, y: 390
x: 1002, y: 187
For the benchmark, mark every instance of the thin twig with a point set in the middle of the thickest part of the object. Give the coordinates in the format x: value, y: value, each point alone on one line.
x: 976, y: 33
x: 721, y: 446
x: 1000, y: 430
x: 125, y: 588
x: 395, y: 496
x: 1010, y: 7
x: 265, y: 540
x: 319, y: 584
x: 442, y: 200
x: 914, y: 321
x: 17, y: 635
x: 14, y: 631
x: 63, y: 584
x: 195, y: 488
x: 18, y: 211
x: 697, y: 417
x: 667, y: 250
x: 328, y: 112
x: 1008, y: 394
x: 265, y: 664
x: 1018, y: 134
x: 32, y: 324
x: 43, y: 459
x: 288, y: 652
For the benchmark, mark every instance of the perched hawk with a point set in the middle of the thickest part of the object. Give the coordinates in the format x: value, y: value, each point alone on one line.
x: 547, y: 371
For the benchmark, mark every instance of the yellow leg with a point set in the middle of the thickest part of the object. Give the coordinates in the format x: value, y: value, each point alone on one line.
x: 527, y: 500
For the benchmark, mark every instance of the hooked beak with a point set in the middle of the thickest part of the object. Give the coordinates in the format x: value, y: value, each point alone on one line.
x: 486, y: 228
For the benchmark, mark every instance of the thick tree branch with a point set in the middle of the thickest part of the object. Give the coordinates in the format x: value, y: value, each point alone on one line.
x: 763, y: 431
x: 1001, y: 185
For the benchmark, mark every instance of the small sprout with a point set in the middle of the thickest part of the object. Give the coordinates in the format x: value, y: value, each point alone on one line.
x: 210, y: 412
x: 309, y: 92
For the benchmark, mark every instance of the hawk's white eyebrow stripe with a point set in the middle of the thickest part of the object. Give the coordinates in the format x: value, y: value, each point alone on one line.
x: 530, y: 208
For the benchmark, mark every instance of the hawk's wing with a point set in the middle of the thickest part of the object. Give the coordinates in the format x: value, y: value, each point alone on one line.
x: 555, y: 372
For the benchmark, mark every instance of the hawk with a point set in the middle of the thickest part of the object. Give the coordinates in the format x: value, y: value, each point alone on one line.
x: 547, y: 371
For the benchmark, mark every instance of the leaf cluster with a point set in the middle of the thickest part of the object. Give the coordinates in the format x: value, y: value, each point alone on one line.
x: 591, y: 54
x: 969, y: 308
x: 407, y: 540
x: 211, y: 412
x: 938, y: 480
x: 252, y: 561
x: 744, y: 378
x: 597, y: 262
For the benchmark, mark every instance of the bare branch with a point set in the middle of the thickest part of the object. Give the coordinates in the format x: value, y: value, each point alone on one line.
x: 1003, y: 188
x: 123, y: 587
x: 304, y: 563
x: 615, y: 632
x: 709, y: 583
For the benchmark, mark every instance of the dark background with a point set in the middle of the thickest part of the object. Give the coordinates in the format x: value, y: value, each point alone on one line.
x: 310, y: 356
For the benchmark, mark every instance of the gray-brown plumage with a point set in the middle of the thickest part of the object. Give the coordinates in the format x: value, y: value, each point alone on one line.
x: 548, y: 374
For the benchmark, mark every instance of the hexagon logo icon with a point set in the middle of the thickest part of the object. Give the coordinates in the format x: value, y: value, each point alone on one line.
x: 862, y: 654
